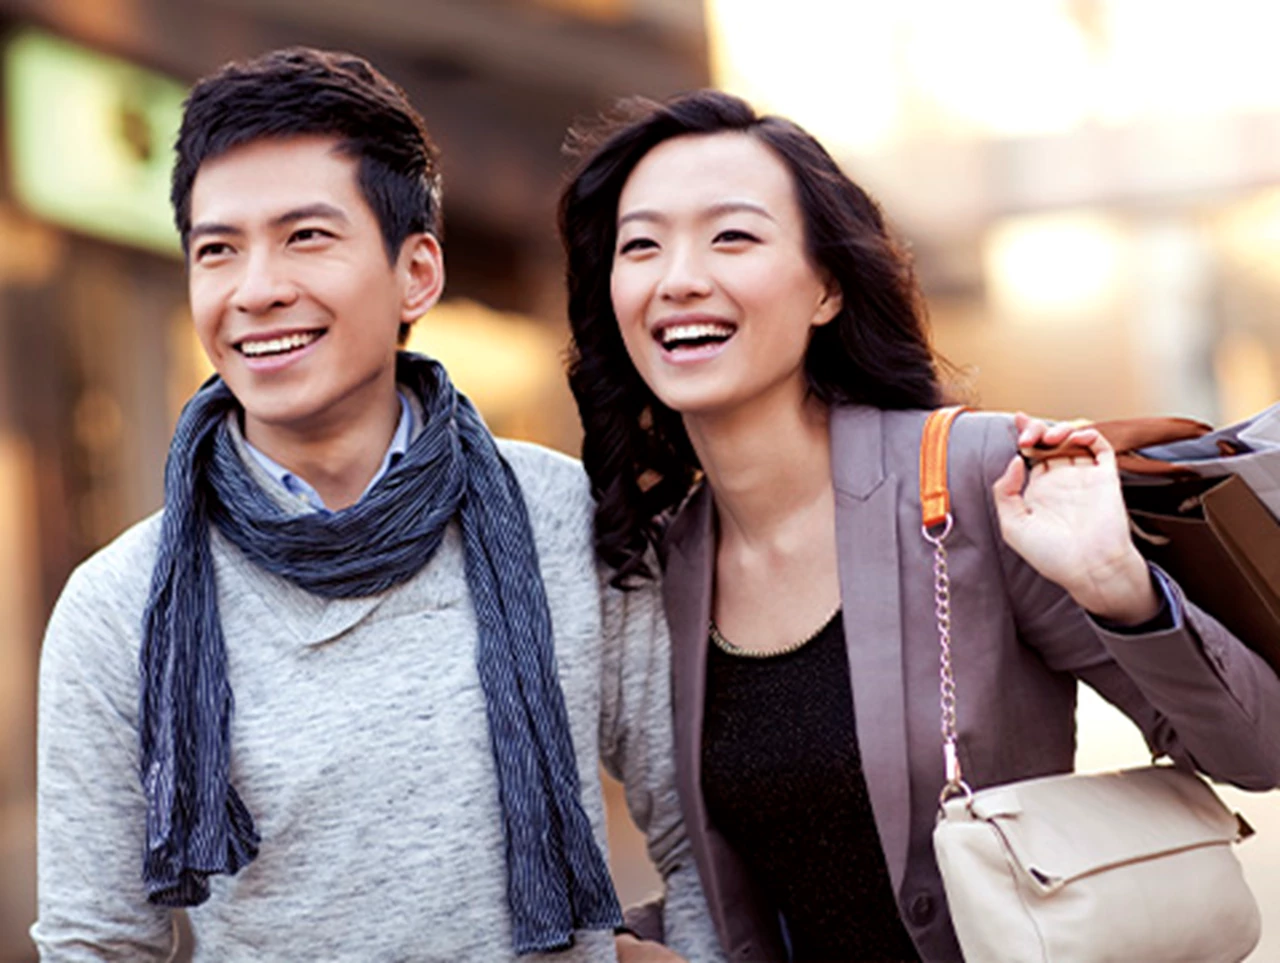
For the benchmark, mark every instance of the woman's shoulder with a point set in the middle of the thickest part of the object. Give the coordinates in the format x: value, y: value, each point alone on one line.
x: 980, y: 445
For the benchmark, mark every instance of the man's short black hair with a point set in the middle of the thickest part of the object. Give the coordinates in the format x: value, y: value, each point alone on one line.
x: 301, y: 91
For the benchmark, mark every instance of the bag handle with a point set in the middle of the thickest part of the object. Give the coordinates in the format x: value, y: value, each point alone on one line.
x: 1126, y: 436
x: 935, y: 512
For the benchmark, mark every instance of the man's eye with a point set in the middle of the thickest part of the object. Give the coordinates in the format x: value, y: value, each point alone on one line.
x: 637, y: 244
x: 211, y: 250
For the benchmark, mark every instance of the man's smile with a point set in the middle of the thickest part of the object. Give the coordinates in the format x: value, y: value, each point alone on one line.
x: 277, y: 344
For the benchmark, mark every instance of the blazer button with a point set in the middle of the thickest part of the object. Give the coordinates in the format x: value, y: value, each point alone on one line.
x: 922, y: 910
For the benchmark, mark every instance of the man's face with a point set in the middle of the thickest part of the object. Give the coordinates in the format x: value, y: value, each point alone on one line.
x: 292, y: 293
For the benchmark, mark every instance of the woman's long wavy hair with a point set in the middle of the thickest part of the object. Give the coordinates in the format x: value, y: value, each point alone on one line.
x: 875, y: 352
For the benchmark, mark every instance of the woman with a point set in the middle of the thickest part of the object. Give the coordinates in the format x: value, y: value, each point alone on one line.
x: 752, y: 370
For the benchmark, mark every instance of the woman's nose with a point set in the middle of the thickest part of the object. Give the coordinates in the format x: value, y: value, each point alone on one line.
x: 685, y: 277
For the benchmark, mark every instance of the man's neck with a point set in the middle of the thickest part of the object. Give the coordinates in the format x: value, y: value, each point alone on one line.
x: 339, y: 458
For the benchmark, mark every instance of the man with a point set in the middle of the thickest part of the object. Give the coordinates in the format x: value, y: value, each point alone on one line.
x: 405, y: 615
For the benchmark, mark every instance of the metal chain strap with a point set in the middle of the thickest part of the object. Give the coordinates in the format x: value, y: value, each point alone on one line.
x: 955, y: 785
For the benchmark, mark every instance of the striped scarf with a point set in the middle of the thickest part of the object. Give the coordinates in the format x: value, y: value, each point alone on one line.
x: 197, y: 824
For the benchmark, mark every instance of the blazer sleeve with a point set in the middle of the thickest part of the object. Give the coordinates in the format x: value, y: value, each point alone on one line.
x: 637, y: 747
x: 1199, y: 694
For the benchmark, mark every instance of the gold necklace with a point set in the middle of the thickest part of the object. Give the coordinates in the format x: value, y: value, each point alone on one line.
x: 725, y: 645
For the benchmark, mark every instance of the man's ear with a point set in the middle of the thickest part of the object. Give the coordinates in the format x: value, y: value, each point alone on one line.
x: 421, y: 267
x: 831, y: 303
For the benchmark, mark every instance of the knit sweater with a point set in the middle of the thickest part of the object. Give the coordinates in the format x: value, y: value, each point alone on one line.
x: 359, y: 743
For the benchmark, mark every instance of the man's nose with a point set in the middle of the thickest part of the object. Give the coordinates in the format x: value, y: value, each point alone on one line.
x: 264, y: 285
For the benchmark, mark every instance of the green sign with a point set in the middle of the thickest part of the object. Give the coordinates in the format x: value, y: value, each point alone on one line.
x: 90, y: 140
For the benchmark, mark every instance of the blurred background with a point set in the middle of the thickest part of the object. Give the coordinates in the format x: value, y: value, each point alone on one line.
x: 1091, y: 189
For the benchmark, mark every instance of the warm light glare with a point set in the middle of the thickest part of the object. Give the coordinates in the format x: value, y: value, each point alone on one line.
x: 19, y: 602
x: 1245, y: 374
x: 1251, y: 230
x: 862, y: 74
x: 1006, y: 68
x: 1067, y: 266
x: 828, y: 66
x: 1171, y: 60
x: 500, y: 361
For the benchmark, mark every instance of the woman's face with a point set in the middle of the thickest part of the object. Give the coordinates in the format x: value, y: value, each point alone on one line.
x: 712, y: 285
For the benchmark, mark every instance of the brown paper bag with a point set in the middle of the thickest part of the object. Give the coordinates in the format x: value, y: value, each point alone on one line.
x: 1217, y: 539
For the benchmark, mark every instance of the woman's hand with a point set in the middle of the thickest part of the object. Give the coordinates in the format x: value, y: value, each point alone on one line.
x: 633, y: 950
x: 1067, y: 519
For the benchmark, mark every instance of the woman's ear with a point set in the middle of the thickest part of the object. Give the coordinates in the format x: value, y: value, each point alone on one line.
x: 830, y: 305
x: 421, y: 269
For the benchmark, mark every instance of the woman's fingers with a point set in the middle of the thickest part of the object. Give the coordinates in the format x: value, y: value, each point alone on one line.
x: 1008, y: 487
x: 1069, y: 442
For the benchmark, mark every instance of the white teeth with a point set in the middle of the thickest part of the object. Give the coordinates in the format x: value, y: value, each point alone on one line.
x: 290, y: 342
x: 696, y: 331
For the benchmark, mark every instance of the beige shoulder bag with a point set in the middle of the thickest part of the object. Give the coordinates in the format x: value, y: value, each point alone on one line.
x: 1124, y: 866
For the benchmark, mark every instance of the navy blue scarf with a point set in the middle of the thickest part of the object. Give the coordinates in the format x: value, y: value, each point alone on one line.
x: 197, y: 825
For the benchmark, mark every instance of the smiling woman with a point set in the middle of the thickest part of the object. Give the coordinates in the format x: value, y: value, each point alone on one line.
x: 684, y: 234
x: 753, y: 372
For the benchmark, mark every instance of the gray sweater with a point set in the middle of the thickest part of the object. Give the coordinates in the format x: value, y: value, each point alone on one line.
x: 360, y: 746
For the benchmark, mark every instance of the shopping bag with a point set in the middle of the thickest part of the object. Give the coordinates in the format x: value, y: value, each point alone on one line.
x: 1218, y: 541
x: 1249, y: 449
x: 1204, y: 505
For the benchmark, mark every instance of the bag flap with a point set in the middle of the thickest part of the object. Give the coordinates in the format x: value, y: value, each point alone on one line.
x: 1060, y: 828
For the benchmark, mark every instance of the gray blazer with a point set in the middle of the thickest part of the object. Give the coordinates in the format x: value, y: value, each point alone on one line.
x: 1020, y: 643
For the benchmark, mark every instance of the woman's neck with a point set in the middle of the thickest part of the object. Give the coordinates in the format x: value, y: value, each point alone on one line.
x: 768, y: 466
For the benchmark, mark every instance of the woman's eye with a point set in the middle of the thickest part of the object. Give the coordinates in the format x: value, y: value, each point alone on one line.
x: 637, y: 244
x: 732, y: 235
x: 309, y: 234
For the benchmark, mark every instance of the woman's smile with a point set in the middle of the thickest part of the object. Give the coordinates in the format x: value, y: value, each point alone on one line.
x: 713, y: 288
x: 690, y: 338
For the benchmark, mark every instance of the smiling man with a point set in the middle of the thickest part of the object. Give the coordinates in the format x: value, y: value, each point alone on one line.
x: 329, y: 699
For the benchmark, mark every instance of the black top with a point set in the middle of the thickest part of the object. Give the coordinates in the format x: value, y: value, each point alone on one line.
x: 782, y: 780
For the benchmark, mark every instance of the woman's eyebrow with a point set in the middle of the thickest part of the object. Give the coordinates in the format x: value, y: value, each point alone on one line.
x: 641, y: 215
x: 718, y: 209
x: 738, y: 207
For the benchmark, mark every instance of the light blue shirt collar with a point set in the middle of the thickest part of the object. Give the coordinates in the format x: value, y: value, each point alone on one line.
x: 295, y: 485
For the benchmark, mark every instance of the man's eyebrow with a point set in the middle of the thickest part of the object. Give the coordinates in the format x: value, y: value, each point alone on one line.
x: 715, y: 210
x: 208, y: 227
x: 318, y: 209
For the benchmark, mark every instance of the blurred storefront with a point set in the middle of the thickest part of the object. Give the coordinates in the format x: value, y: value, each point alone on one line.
x: 96, y: 352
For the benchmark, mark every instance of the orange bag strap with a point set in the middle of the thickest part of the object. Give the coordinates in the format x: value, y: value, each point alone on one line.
x: 935, y: 499
x: 935, y: 510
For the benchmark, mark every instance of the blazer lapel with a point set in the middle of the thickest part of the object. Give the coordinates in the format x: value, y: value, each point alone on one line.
x: 687, y: 589
x: 868, y: 553
x: 747, y: 928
